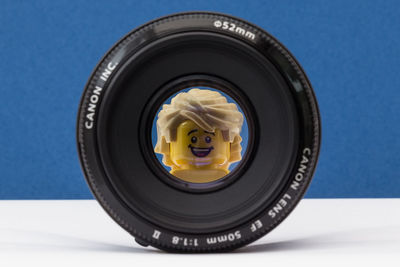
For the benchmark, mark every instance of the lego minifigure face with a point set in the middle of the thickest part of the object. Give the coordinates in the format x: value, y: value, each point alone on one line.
x: 195, y: 148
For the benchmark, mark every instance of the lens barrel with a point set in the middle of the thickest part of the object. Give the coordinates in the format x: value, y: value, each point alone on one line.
x: 159, y: 59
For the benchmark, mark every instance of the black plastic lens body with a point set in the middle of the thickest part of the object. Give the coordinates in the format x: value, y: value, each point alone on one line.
x: 198, y: 49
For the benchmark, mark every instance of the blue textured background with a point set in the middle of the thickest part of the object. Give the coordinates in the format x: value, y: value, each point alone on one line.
x: 349, y: 49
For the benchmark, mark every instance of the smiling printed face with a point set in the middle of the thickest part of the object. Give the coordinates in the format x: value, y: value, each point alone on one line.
x: 197, y: 137
x: 196, y: 148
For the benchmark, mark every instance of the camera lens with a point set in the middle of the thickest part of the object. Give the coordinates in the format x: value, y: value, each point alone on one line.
x: 198, y: 132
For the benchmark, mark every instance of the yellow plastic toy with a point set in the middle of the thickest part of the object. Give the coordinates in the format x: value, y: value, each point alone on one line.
x: 199, y: 135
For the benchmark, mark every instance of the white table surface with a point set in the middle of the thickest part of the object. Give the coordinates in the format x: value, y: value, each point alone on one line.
x: 320, y: 232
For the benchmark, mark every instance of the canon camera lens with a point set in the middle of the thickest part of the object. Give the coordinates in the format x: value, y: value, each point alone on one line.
x: 198, y: 132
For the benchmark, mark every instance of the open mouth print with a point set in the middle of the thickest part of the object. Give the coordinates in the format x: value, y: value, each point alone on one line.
x: 200, y: 151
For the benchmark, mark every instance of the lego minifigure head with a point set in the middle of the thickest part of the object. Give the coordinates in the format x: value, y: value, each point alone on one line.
x: 199, y: 135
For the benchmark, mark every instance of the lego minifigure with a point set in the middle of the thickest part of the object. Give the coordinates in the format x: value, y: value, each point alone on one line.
x: 199, y: 135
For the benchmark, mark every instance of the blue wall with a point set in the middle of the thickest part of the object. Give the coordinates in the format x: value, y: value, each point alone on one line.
x: 349, y: 49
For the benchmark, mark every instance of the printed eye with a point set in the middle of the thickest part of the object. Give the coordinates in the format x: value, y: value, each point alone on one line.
x: 194, y: 139
x: 208, y: 139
